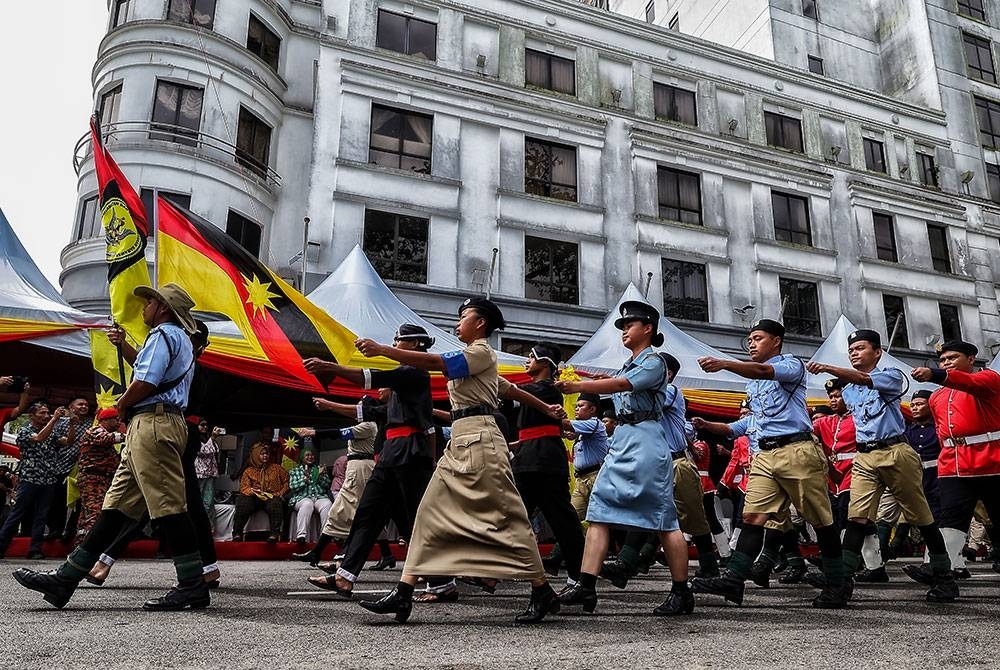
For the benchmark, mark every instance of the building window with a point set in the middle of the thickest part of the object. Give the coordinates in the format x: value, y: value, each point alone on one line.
x: 972, y: 8
x: 199, y: 13
x: 675, y: 104
x: 148, y: 201
x: 651, y: 11
x: 262, y: 41
x: 547, y: 71
x: 885, y: 238
x: 791, y: 218
x: 675, y: 23
x: 815, y: 65
x: 518, y: 347
x: 988, y: 113
x: 951, y: 325
x: 874, y: 155
x: 550, y: 270
x: 89, y: 225
x: 401, y: 139
x: 993, y: 178
x: 679, y: 195
x: 550, y: 169
x: 928, y: 171
x: 783, y: 131
x: 406, y: 35
x: 801, y: 307
x: 119, y: 13
x: 685, y: 291
x: 979, y: 58
x: 938, y: 238
x: 895, y: 321
x: 809, y: 9
x: 176, y: 113
x: 109, y: 107
x: 244, y: 231
x: 396, y: 245
x: 253, y: 142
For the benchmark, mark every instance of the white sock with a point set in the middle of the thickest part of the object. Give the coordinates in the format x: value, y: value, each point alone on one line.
x: 209, y: 568
x: 734, y: 539
x: 954, y: 542
x: 871, y: 552
x: 722, y: 544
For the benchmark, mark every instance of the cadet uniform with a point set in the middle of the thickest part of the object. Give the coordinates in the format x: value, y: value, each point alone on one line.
x: 589, y: 452
x: 360, y: 464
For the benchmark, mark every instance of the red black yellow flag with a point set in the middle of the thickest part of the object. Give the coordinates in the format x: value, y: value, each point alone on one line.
x: 278, y: 322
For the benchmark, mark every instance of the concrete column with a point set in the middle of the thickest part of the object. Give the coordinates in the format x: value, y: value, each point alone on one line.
x: 755, y: 119
x: 449, y: 39
x: 588, y: 76
x: 512, y: 56
x: 642, y: 89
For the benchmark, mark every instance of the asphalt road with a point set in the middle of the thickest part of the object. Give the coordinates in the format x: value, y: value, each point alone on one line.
x: 254, y: 622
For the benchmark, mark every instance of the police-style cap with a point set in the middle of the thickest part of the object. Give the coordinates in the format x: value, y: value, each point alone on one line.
x: 643, y: 312
x: 922, y: 394
x: 592, y: 398
x: 409, y: 331
x: 769, y: 326
x: 833, y: 385
x: 672, y: 363
x: 488, y: 309
x: 545, y: 351
x: 961, y: 347
x: 865, y: 335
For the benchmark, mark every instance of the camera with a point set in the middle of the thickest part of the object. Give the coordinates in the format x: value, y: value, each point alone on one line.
x: 17, y: 386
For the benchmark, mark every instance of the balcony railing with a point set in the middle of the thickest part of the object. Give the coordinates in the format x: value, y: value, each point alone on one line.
x: 185, y: 140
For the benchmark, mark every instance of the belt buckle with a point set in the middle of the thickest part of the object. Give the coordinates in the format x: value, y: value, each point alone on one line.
x: 959, y: 441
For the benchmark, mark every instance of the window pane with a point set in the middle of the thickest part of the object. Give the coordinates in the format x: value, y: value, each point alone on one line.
x: 253, y: 142
x: 536, y: 68
x: 951, y: 326
x: 263, y: 42
x: 685, y: 293
x: 401, y: 139
x: 550, y: 270
x: 244, y: 231
x: 550, y: 169
x: 391, y: 31
x: 176, y: 107
x: 894, y: 309
x: 110, y: 102
x: 815, y: 65
x: 120, y: 13
x: 801, y: 307
x: 993, y: 177
x: 396, y: 245
x: 885, y: 238
x: 563, y: 75
x: 423, y: 39
x: 938, y: 238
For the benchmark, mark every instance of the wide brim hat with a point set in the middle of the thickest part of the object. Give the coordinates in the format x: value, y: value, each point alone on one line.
x: 177, y: 301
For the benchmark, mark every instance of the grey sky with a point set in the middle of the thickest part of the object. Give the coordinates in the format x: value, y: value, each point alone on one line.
x: 45, y: 101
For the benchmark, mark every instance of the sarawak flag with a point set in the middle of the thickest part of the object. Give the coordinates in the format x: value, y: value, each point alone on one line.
x: 278, y: 323
x: 123, y: 219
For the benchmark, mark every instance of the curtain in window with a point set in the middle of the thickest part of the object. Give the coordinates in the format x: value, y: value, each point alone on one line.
x: 563, y: 75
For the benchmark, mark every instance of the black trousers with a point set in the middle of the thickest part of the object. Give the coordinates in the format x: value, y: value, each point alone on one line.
x: 959, y: 496
x: 549, y: 493
x: 714, y: 525
x: 392, y: 493
x: 246, y: 506
x: 58, y: 511
x: 840, y: 504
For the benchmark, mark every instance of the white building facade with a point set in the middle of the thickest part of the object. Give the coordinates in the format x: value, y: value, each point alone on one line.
x: 589, y: 149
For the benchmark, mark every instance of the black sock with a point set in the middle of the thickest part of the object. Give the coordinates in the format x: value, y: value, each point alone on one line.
x: 747, y: 547
x: 536, y: 590
x: 854, y: 538
x: 383, y: 547
x: 828, y: 538
x: 405, y: 591
x: 588, y: 581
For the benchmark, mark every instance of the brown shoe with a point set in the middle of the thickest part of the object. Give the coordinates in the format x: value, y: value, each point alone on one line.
x: 333, y: 583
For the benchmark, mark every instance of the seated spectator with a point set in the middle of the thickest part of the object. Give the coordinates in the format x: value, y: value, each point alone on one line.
x: 309, y: 484
x: 36, y: 475
x: 263, y: 486
x: 206, y: 465
x: 97, y: 464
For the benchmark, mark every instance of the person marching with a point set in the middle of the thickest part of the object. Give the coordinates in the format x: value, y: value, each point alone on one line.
x: 789, y: 469
x: 634, y: 487
x: 150, y: 475
x: 702, y: 454
x: 471, y: 520
x: 541, y: 470
x: 737, y: 473
x: 966, y: 412
x: 884, y: 459
x: 406, y: 462
x: 922, y: 436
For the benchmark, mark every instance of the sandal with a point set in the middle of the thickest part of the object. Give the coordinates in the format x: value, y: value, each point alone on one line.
x: 329, y: 568
x: 431, y: 598
x: 330, y: 584
x: 487, y: 585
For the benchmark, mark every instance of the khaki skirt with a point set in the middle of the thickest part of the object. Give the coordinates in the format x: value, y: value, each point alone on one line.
x: 341, y: 516
x: 471, y: 521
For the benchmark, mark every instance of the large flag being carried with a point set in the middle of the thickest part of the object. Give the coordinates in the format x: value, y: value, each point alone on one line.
x: 281, y: 326
x: 123, y: 218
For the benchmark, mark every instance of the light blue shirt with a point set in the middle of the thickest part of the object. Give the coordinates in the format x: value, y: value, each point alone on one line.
x: 876, y: 407
x: 674, y: 409
x: 746, y: 426
x: 648, y: 376
x: 592, y: 445
x: 166, y: 355
x: 779, y: 404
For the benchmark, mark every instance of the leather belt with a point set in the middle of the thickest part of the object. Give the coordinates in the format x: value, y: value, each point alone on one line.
x: 155, y: 408
x: 583, y: 472
x: 475, y: 410
x: 972, y: 439
x: 360, y: 457
x: 771, y: 443
x: 930, y: 464
x: 400, y: 431
x: 535, y: 432
x: 678, y: 455
x: 868, y: 447
x: 633, y: 418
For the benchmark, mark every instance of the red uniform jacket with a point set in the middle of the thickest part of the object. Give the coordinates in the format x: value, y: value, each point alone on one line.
x: 840, y: 443
x: 968, y: 404
x: 702, y: 462
x: 738, y: 471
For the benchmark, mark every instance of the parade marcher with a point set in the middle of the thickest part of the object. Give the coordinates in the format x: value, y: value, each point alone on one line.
x: 966, y: 411
x: 471, y: 520
x: 635, y: 486
x: 789, y: 468
x: 151, y: 475
x: 923, y: 437
x: 702, y: 454
x: 884, y: 460
x: 97, y: 464
x: 737, y: 473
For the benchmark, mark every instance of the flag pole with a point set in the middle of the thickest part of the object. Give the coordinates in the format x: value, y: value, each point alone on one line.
x: 305, y: 250
x: 156, y: 241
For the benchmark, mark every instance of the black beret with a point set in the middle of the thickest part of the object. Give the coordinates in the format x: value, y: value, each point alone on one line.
x: 409, y: 331
x: 592, y: 398
x: 961, y: 347
x: 199, y: 338
x: 672, y: 363
x: 921, y: 394
x: 548, y: 352
x: 865, y: 335
x: 636, y: 310
x: 833, y: 385
x: 609, y: 414
x: 769, y: 326
x: 488, y: 309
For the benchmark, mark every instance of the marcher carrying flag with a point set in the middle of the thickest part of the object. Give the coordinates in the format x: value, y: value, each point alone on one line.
x: 278, y: 322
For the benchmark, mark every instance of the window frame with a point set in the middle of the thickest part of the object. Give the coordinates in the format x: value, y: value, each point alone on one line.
x: 256, y: 164
x: 262, y: 51
x: 871, y: 164
x: 902, y: 335
x: 814, y: 60
x: 956, y: 331
x: 783, y: 123
x: 118, y: 17
x: 941, y: 262
x: 791, y: 233
x: 673, y: 110
x: 976, y: 13
x: 176, y: 132
x: 892, y: 250
x: 685, y: 306
x: 793, y: 321
x: 554, y: 254
x: 993, y: 181
x: 115, y: 92
x: 927, y: 169
x: 677, y: 205
x: 194, y: 6
x: 247, y: 224
x: 990, y: 108
x: 547, y: 185
x: 407, y: 35
x: 550, y: 59
x: 95, y: 223
x: 400, y: 152
x: 398, y: 262
x: 810, y: 9
x: 976, y: 70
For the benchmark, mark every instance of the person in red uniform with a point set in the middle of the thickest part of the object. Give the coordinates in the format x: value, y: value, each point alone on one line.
x: 966, y: 411
x: 702, y: 459
x: 735, y: 477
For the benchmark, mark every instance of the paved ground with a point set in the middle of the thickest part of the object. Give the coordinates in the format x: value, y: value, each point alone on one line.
x: 255, y: 623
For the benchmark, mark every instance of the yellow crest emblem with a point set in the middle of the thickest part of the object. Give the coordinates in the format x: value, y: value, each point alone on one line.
x: 120, y: 233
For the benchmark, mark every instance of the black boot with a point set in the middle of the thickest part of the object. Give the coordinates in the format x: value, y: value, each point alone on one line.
x: 944, y: 589
x: 794, y: 575
x: 817, y: 580
x: 543, y: 601
x: 760, y: 574
x: 311, y: 557
x: 385, y: 563
x: 834, y: 597
x: 191, y: 593
x: 708, y: 565
x: 56, y: 589
x: 677, y: 603
x: 580, y: 595
x: 876, y: 576
x: 395, y: 603
x: 921, y: 573
x: 617, y: 573
x: 729, y: 585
